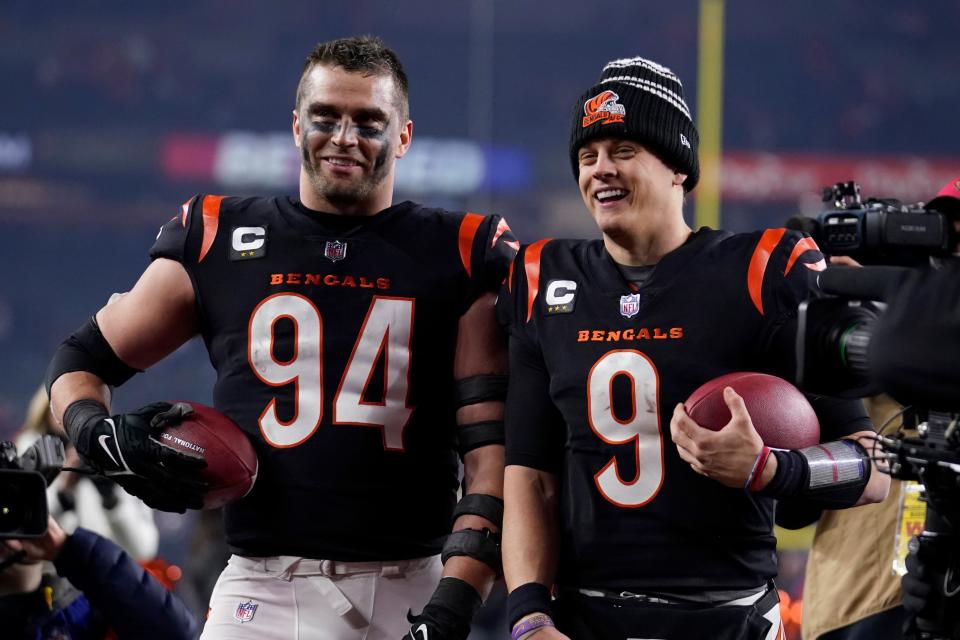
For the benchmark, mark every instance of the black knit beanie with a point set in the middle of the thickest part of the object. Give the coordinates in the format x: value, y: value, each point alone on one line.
x: 640, y: 100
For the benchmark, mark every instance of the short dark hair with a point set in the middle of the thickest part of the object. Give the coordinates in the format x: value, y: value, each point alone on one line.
x: 368, y: 55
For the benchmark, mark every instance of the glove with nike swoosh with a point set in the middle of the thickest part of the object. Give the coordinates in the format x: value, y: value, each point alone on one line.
x: 448, y: 614
x: 124, y: 448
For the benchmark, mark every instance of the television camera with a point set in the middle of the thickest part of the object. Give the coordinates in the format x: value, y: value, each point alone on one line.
x: 23, y: 486
x: 834, y: 356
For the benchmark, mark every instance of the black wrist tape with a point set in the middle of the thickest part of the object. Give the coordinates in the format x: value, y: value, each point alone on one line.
x: 458, y: 597
x: 528, y: 598
x: 791, y: 475
x: 79, y: 419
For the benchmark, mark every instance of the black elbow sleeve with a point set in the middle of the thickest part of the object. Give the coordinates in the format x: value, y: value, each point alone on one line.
x: 87, y: 350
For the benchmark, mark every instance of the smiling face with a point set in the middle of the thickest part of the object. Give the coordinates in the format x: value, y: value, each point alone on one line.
x: 627, y: 189
x: 350, y: 130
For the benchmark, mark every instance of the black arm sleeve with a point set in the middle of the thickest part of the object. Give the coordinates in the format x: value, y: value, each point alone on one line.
x: 536, y: 433
x: 127, y: 596
x: 839, y: 417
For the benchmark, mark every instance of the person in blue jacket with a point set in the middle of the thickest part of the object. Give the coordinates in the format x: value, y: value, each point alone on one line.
x: 97, y: 588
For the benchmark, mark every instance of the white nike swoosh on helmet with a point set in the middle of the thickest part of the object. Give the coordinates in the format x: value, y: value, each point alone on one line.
x: 423, y: 629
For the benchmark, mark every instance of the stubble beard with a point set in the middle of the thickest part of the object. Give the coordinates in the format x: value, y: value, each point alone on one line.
x: 345, y: 193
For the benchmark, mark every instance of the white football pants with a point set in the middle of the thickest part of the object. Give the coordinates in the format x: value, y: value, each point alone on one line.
x: 289, y: 598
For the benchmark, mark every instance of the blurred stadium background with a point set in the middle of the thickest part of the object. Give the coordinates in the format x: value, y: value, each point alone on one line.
x: 112, y: 113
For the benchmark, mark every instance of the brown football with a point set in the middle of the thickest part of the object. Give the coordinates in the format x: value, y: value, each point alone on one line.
x: 780, y: 413
x: 231, y: 461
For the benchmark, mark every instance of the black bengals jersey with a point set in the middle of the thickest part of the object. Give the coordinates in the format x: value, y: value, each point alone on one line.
x: 596, y: 369
x: 333, y: 339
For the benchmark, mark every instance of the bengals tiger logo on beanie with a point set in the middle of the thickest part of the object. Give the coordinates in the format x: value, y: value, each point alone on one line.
x: 639, y: 100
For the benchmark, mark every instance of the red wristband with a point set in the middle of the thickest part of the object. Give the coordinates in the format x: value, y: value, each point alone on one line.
x: 753, y: 480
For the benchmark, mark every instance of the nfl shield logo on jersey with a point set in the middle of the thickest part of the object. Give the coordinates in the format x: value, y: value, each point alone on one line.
x: 630, y: 305
x: 335, y: 250
x: 245, y: 611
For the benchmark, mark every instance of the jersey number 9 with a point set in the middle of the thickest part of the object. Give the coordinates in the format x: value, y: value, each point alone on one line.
x: 641, y: 428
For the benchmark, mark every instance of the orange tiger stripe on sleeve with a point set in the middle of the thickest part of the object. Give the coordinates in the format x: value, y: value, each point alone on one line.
x: 211, y: 221
x: 531, y: 266
x: 758, y: 265
x: 468, y: 229
x: 804, y: 245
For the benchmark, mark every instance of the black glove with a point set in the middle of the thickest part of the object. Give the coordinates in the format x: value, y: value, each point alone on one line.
x: 123, y: 448
x: 448, y: 614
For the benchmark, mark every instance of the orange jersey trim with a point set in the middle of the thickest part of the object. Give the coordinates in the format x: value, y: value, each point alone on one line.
x: 185, y: 209
x: 211, y: 221
x: 510, y: 277
x: 531, y: 265
x: 805, y: 244
x: 503, y: 227
x: 468, y: 230
x: 758, y: 265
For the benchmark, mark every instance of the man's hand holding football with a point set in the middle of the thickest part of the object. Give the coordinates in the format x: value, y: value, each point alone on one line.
x: 728, y: 455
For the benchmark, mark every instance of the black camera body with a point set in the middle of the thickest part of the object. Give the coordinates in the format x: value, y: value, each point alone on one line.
x: 23, y: 486
x: 879, y: 231
x: 834, y: 331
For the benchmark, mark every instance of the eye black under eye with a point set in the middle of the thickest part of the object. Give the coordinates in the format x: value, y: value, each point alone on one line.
x: 369, y: 132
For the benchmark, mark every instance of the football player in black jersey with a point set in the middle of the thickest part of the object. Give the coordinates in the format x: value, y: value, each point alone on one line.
x: 635, y: 535
x: 355, y: 343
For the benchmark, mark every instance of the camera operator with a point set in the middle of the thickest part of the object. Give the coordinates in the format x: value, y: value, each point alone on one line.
x: 915, y: 353
x: 909, y: 349
x: 97, y: 587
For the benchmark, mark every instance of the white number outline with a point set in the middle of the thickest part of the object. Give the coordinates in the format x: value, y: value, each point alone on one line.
x: 392, y: 433
x: 270, y: 411
x: 608, y: 479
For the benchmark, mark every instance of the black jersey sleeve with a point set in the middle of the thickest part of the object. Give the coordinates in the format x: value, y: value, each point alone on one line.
x: 487, y: 246
x: 172, y: 239
x: 781, y: 274
x: 839, y: 417
x: 536, y: 432
x: 787, y: 264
